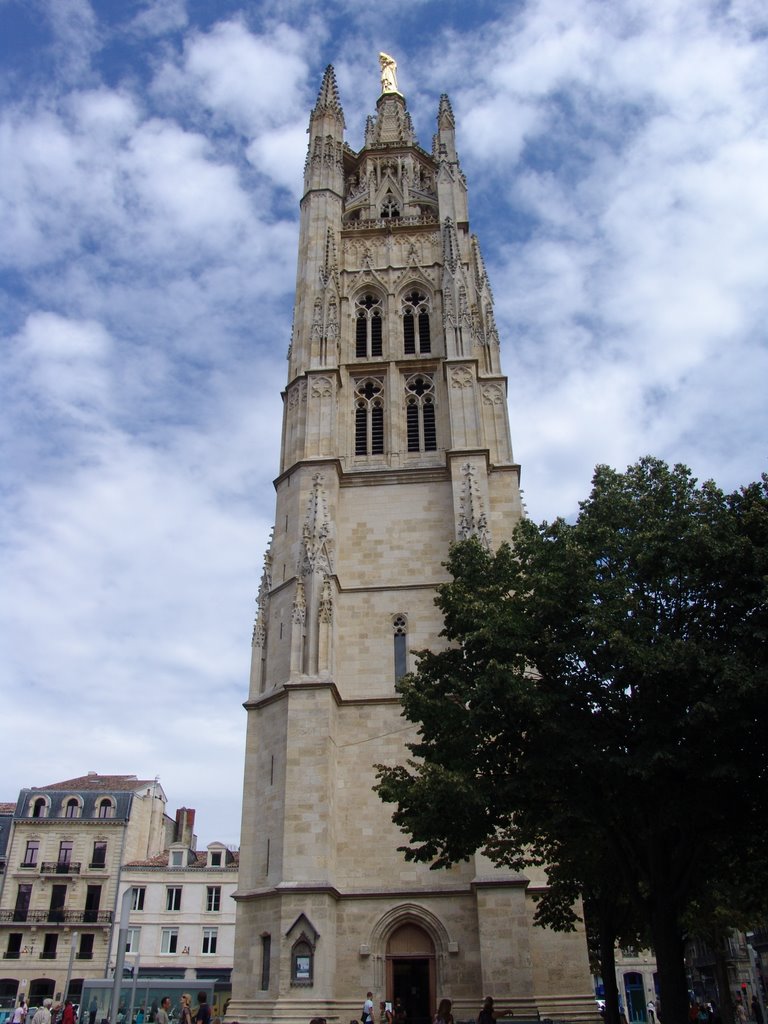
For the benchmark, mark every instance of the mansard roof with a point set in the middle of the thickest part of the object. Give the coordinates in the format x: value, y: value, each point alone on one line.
x: 200, y: 864
x: 94, y: 781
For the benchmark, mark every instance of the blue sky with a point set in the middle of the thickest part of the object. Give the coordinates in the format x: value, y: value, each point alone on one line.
x: 151, y: 156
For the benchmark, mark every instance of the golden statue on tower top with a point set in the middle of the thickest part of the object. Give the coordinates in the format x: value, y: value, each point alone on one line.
x: 388, y: 73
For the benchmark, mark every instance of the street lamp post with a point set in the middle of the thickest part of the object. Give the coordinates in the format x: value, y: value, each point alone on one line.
x: 122, y: 936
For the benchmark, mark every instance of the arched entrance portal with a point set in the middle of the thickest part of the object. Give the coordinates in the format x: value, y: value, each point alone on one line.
x: 411, y: 972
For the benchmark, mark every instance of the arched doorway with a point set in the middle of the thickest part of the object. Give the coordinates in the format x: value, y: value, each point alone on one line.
x: 8, y: 989
x: 633, y: 986
x: 40, y: 989
x: 411, y: 971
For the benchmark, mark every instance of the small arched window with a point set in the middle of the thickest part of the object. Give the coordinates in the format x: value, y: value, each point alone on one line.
x: 369, y: 417
x: 420, y: 413
x: 106, y: 808
x: 302, y: 958
x: 40, y: 807
x: 72, y: 807
x: 416, y: 335
x: 368, y: 324
x: 400, y: 629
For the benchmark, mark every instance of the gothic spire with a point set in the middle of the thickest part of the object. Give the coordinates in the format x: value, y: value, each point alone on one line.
x: 328, y: 98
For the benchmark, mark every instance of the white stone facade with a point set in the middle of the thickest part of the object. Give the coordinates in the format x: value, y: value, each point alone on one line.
x: 396, y: 443
x: 182, y: 919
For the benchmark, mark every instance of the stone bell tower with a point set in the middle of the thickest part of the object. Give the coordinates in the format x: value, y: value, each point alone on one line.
x: 395, y: 443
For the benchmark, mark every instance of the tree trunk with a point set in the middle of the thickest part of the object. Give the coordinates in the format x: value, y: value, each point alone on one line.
x: 608, y: 969
x: 668, y: 946
x: 725, y: 1005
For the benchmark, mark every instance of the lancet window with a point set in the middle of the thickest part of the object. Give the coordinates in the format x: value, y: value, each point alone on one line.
x: 416, y: 336
x: 400, y: 629
x: 420, y: 413
x: 369, y: 416
x: 368, y: 322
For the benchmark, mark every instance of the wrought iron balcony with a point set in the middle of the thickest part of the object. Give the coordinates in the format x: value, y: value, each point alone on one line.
x: 48, y: 954
x: 60, y: 867
x: 86, y: 954
x: 12, y: 954
x: 57, y: 916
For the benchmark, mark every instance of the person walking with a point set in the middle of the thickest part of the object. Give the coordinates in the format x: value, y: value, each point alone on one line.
x: 20, y: 1013
x: 367, y: 1015
x: 203, y: 1015
x: 444, y: 1015
x: 162, y: 1012
x: 43, y: 1015
x: 488, y: 1015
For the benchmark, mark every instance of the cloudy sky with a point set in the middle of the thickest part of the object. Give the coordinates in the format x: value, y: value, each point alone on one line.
x: 151, y: 156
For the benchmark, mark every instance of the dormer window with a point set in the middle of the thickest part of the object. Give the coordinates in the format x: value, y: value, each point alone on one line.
x: 106, y: 808
x: 72, y: 807
x: 39, y: 807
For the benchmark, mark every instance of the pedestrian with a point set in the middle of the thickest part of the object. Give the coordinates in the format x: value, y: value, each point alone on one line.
x: 43, y: 1015
x: 444, y: 1015
x: 68, y: 1013
x: 757, y: 1010
x: 185, y: 1012
x: 398, y: 1012
x: 741, y: 1011
x: 203, y: 1014
x: 20, y: 1013
x: 650, y: 1009
x: 162, y: 1013
x: 488, y: 1015
x: 366, y: 1017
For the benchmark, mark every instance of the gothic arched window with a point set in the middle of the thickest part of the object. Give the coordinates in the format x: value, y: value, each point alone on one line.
x: 420, y: 413
x: 400, y: 628
x: 416, y: 337
x: 390, y: 207
x: 369, y: 416
x: 368, y: 320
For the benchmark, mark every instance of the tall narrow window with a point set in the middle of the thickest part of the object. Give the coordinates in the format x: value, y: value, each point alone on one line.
x: 213, y: 898
x: 369, y: 417
x: 368, y: 320
x: 132, y: 939
x: 169, y: 940
x: 50, y: 943
x: 210, y: 940
x: 86, y: 947
x: 99, y: 857
x: 65, y: 854
x: 400, y: 627
x: 72, y: 808
x: 106, y: 808
x: 30, y: 854
x: 23, y: 896
x: 420, y: 413
x: 173, y: 897
x: 266, y: 955
x: 137, y: 902
x: 416, y: 335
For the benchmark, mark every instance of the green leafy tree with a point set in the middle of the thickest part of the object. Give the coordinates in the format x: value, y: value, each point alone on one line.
x: 600, y: 701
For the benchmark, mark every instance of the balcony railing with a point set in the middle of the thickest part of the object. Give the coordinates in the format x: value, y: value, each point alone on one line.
x: 48, y: 954
x: 84, y: 955
x: 60, y: 867
x: 12, y: 954
x: 28, y: 865
x: 57, y: 916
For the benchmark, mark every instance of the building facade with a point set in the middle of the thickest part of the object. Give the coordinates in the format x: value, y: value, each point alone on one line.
x: 182, y: 920
x: 396, y: 443
x: 63, y: 860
